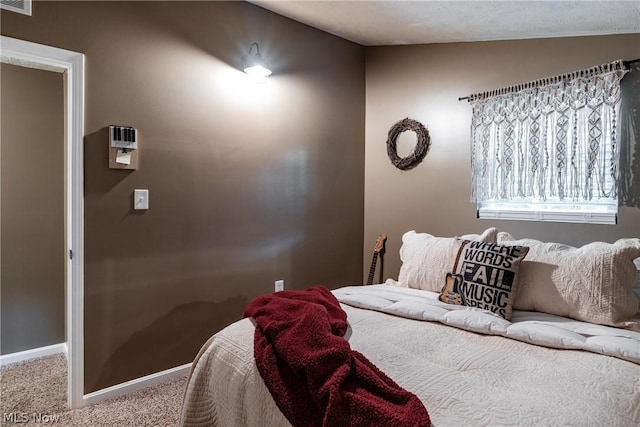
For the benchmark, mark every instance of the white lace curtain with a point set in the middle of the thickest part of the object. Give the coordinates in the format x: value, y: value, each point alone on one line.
x: 552, y: 139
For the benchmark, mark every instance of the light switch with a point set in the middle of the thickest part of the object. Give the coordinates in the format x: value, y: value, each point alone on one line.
x: 140, y: 199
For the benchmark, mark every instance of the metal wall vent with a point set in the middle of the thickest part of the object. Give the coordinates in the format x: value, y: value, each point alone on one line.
x: 20, y: 6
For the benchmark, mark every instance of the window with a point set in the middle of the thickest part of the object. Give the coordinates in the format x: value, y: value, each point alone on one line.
x: 20, y: 6
x: 547, y: 150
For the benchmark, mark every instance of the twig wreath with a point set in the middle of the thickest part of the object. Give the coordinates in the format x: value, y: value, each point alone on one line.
x: 419, y: 151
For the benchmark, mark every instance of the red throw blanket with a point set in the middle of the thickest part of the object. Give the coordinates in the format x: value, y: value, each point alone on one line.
x: 312, y: 373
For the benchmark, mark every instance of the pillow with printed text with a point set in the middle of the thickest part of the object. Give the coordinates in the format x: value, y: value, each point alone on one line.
x: 484, y: 275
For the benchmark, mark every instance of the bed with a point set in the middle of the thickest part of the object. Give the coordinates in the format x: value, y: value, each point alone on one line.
x: 468, y: 366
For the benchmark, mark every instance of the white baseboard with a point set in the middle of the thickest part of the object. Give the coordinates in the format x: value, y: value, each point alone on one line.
x: 106, y: 393
x: 135, y: 385
x: 22, y: 356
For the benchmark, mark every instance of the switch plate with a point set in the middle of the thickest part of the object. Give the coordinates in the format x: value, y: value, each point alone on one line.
x: 279, y: 286
x: 140, y: 199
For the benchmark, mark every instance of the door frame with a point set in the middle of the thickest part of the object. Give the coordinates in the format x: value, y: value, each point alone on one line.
x: 71, y: 65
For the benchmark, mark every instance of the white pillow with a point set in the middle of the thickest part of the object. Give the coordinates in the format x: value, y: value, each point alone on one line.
x: 636, y: 288
x: 427, y: 259
x: 592, y: 283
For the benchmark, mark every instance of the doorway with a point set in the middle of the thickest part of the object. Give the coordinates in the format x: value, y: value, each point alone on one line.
x: 71, y: 67
x: 32, y: 212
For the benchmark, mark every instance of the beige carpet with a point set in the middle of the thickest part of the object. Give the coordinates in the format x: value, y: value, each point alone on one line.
x: 40, y: 387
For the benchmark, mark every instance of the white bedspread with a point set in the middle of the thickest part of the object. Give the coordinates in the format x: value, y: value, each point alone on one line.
x: 463, y: 378
x: 532, y: 327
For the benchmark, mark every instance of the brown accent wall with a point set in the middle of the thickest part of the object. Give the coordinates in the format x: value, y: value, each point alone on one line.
x: 247, y: 183
x: 32, y: 287
x: 423, y: 82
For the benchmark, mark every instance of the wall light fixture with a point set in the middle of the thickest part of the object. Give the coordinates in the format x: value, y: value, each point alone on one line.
x: 254, y: 64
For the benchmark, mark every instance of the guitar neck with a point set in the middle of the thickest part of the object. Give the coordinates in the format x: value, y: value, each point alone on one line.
x: 372, y: 270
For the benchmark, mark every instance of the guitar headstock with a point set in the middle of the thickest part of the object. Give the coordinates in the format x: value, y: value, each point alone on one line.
x: 380, y: 243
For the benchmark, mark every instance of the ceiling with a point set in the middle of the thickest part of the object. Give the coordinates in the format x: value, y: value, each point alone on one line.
x: 398, y: 22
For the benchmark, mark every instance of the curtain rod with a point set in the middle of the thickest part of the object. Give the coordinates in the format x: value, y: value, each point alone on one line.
x: 561, y: 77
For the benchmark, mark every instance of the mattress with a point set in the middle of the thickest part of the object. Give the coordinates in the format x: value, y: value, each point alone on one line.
x: 490, y: 374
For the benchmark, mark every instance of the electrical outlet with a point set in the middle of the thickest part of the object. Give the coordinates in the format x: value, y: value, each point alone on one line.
x: 279, y: 285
